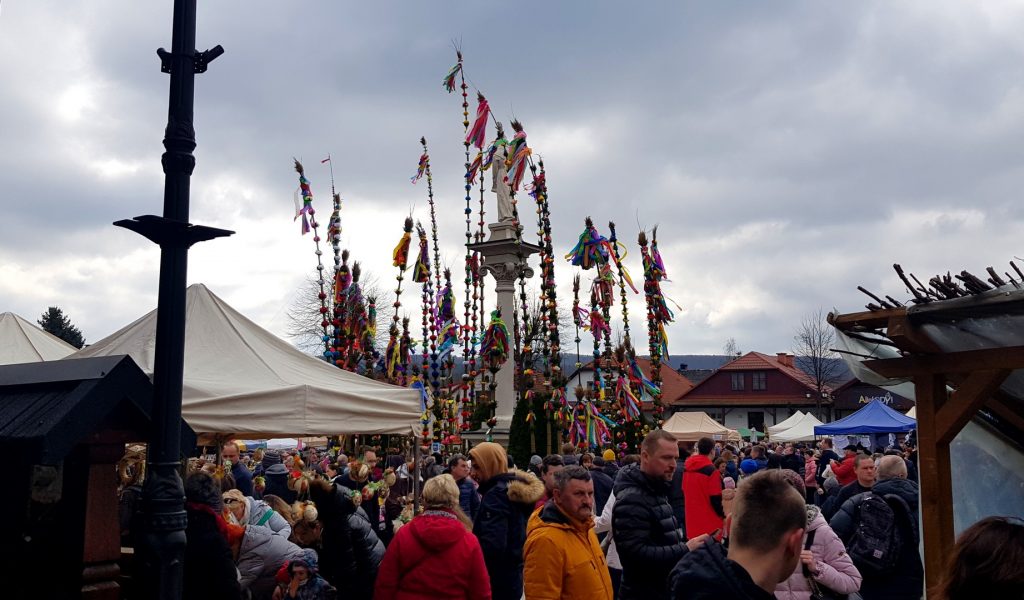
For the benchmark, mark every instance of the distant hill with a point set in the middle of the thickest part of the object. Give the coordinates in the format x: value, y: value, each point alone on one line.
x: 702, y: 362
x: 693, y: 362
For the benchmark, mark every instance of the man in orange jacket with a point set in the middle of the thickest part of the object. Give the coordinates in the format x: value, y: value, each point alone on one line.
x: 563, y: 557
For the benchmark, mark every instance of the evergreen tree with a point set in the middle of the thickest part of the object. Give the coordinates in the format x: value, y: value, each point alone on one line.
x: 55, y: 322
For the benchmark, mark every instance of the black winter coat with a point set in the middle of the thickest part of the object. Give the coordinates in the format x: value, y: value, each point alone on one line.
x: 794, y: 462
x: 708, y: 574
x: 209, y: 571
x: 647, y: 535
x: 823, y: 461
x: 907, y: 580
x: 278, y: 486
x: 500, y: 527
x: 676, y: 497
x: 350, y: 552
x: 602, y: 489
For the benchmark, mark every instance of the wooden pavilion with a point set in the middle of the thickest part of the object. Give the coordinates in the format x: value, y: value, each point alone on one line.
x: 962, y: 334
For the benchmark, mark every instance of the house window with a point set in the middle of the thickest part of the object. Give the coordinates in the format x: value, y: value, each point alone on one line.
x: 759, y: 381
x: 737, y: 382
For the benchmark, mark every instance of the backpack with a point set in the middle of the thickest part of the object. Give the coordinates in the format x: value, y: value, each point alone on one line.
x: 880, y: 534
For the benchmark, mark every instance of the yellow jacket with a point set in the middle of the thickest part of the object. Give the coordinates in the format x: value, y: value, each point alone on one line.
x: 563, y: 558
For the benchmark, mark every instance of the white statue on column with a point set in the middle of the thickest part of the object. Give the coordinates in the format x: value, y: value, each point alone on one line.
x: 499, y: 172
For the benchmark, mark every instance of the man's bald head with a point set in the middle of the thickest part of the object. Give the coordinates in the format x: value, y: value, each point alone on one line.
x: 891, y: 467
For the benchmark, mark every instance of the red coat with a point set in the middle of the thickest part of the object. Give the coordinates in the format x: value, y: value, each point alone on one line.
x: 845, y: 471
x: 434, y: 557
x: 702, y: 491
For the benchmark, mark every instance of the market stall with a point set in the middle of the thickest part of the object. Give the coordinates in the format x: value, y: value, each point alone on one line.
x: 243, y: 381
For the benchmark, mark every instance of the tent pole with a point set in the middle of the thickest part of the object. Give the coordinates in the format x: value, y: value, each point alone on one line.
x: 416, y: 475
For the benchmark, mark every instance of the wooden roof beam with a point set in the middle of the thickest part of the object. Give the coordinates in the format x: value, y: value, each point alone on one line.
x: 1000, y: 406
x: 1010, y: 357
x: 909, y: 338
x: 872, y: 319
x: 975, y: 390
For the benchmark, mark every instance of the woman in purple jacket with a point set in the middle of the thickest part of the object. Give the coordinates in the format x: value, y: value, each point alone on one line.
x: 827, y: 563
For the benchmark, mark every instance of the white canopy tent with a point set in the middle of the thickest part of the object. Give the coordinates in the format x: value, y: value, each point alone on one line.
x: 786, y: 424
x: 912, y: 413
x: 691, y: 426
x: 24, y: 342
x: 801, y: 431
x: 241, y: 380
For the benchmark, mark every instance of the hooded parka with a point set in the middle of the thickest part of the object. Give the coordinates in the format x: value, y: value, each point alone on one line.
x: 433, y: 557
x: 564, y: 559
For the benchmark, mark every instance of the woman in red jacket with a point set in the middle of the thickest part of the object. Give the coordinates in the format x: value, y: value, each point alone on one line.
x: 436, y: 556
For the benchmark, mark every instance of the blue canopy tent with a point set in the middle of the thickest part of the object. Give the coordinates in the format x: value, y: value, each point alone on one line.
x: 875, y: 417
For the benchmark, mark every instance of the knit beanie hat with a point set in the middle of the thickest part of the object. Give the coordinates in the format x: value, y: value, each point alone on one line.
x: 536, y: 460
x: 794, y: 479
x: 608, y: 455
x: 728, y: 483
x: 271, y: 457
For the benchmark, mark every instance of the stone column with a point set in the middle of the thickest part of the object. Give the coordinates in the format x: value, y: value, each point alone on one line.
x: 504, y: 259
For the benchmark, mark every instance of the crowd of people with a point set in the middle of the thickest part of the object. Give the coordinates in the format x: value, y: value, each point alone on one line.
x: 703, y: 520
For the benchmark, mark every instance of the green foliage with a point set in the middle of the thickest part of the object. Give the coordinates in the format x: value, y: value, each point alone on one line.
x: 521, y: 432
x: 55, y: 322
x: 482, y: 411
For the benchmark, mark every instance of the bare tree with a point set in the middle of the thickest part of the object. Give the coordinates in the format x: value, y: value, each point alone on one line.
x: 304, y: 316
x: 812, y: 345
x: 731, y: 349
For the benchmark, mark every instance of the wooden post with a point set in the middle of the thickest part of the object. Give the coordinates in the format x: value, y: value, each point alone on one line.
x: 936, y: 501
x: 102, y: 547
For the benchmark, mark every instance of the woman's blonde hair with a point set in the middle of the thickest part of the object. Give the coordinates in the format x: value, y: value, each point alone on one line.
x: 442, y: 493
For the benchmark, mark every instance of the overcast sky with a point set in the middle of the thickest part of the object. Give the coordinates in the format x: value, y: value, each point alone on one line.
x: 788, y: 151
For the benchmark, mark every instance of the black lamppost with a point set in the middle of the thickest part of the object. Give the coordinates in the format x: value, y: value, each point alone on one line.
x: 163, y: 548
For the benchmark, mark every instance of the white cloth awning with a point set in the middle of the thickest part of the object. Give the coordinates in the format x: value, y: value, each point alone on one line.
x: 241, y: 380
x: 801, y: 431
x: 780, y: 427
x: 691, y: 426
x: 24, y: 342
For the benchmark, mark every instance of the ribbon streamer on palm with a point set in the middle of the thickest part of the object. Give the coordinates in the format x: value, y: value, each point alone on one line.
x: 305, y: 210
x: 394, y: 363
x: 658, y: 313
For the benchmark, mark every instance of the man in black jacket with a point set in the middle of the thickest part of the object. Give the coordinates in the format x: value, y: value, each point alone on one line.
x: 646, y: 533
x: 827, y: 456
x: 602, y: 485
x: 348, y: 547
x: 793, y: 459
x: 766, y: 535
x: 864, y: 467
x: 906, y: 580
x: 676, y: 497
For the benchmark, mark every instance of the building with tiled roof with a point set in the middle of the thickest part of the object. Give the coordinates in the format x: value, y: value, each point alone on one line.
x: 673, y: 384
x: 754, y: 391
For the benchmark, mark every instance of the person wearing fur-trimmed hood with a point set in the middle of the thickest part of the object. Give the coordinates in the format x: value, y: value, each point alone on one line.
x: 507, y: 499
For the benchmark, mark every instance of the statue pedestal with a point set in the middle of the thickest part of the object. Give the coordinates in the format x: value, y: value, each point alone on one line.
x: 504, y: 258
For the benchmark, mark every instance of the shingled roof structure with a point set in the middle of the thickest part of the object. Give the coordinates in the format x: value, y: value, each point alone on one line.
x: 673, y: 384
